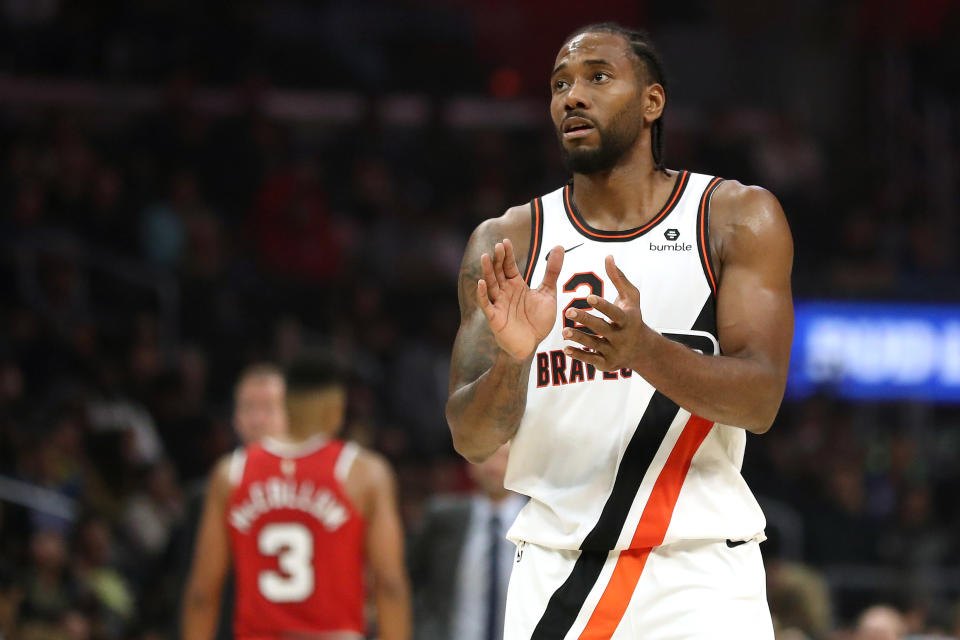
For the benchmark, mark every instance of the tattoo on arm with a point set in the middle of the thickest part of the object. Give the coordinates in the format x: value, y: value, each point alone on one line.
x: 475, y: 346
x: 503, y: 392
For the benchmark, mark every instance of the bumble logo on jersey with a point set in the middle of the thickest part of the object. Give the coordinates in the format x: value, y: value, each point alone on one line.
x: 672, y: 235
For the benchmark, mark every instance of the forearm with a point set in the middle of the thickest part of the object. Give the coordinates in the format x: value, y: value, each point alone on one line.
x: 394, y: 617
x: 486, y: 413
x: 199, y: 617
x: 730, y: 390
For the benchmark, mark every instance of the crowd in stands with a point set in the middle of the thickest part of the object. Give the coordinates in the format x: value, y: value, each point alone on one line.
x: 148, y: 256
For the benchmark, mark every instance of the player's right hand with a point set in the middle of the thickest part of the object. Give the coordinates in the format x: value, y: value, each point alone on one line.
x: 519, y: 317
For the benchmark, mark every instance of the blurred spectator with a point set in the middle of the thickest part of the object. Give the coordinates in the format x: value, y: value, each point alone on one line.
x: 788, y: 159
x: 258, y: 405
x: 164, y: 223
x: 113, y: 414
x: 294, y: 231
x: 460, y: 561
x: 50, y: 587
x: 420, y: 374
x: 799, y: 599
x: 98, y: 574
x: 152, y: 512
x: 881, y: 622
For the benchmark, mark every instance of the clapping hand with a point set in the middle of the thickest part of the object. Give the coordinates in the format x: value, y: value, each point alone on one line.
x: 519, y: 317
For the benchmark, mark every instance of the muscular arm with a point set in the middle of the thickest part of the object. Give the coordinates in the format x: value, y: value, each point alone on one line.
x: 488, y: 387
x: 745, y: 385
x: 384, y: 544
x: 201, y: 603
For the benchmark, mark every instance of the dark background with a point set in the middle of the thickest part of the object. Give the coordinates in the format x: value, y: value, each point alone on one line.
x: 187, y: 187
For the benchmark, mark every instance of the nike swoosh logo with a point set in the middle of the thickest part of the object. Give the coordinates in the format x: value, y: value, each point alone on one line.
x: 566, y: 251
x: 736, y: 543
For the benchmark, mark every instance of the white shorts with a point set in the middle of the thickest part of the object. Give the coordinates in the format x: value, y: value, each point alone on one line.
x: 688, y: 590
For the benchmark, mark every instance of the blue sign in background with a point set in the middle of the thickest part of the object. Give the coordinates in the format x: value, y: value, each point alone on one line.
x: 876, y: 351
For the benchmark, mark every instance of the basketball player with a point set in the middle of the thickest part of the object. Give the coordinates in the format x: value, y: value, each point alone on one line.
x: 658, y: 336
x: 259, y: 410
x: 301, y: 516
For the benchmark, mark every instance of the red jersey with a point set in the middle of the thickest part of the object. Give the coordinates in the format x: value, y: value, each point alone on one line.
x: 297, y: 540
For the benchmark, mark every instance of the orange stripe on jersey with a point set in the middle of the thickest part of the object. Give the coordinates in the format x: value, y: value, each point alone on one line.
x: 613, y: 603
x: 534, y: 251
x: 677, y: 190
x: 704, y: 248
x: 649, y: 533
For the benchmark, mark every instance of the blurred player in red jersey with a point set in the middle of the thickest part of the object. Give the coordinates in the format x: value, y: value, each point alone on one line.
x: 302, y: 517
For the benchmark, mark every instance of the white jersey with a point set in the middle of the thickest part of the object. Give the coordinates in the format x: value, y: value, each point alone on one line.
x: 610, y: 463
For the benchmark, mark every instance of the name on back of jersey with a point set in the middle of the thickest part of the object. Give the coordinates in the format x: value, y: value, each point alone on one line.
x: 288, y: 493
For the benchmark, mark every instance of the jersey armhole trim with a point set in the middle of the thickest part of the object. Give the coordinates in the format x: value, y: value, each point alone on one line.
x: 345, y: 462
x: 238, y: 461
x: 536, y: 238
x: 703, y: 234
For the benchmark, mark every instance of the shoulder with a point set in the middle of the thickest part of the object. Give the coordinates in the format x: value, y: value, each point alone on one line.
x: 222, y: 469
x: 513, y: 224
x: 372, y: 464
x: 221, y: 480
x: 371, y: 474
x: 748, y: 205
x: 746, y: 218
x: 514, y: 219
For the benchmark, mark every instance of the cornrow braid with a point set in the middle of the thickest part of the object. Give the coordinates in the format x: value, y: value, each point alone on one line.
x: 652, y: 68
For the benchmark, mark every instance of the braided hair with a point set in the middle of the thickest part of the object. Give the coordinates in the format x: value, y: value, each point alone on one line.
x: 649, y: 68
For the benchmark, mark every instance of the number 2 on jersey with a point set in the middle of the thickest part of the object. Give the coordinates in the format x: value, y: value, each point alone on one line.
x: 292, y: 544
x: 590, y: 280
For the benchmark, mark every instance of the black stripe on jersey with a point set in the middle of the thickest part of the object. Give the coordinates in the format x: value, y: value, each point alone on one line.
x: 566, y: 602
x: 696, y: 342
x: 707, y: 320
x: 636, y: 461
x: 536, y: 237
x: 703, y: 235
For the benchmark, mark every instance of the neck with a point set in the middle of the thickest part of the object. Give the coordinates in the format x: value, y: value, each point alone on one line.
x: 297, y: 435
x: 627, y: 196
x: 311, y: 416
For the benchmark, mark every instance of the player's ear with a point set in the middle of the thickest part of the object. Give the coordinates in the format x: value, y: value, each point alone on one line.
x: 654, y: 101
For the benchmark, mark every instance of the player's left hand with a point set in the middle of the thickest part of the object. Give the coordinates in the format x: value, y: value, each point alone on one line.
x: 619, y: 339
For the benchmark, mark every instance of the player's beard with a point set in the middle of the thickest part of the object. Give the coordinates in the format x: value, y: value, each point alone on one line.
x: 616, y: 139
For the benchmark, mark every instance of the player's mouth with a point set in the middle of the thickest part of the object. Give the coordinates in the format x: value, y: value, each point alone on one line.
x: 576, y: 127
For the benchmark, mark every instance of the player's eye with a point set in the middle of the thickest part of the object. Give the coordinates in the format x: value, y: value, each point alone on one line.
x: 600, y: 76
x: 560, y: 85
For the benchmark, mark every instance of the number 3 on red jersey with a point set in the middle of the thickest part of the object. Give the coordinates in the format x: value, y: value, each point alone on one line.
x: 292, y: 543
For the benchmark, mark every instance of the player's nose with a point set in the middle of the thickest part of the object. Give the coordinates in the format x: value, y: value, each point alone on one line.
x: 576, y: 98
